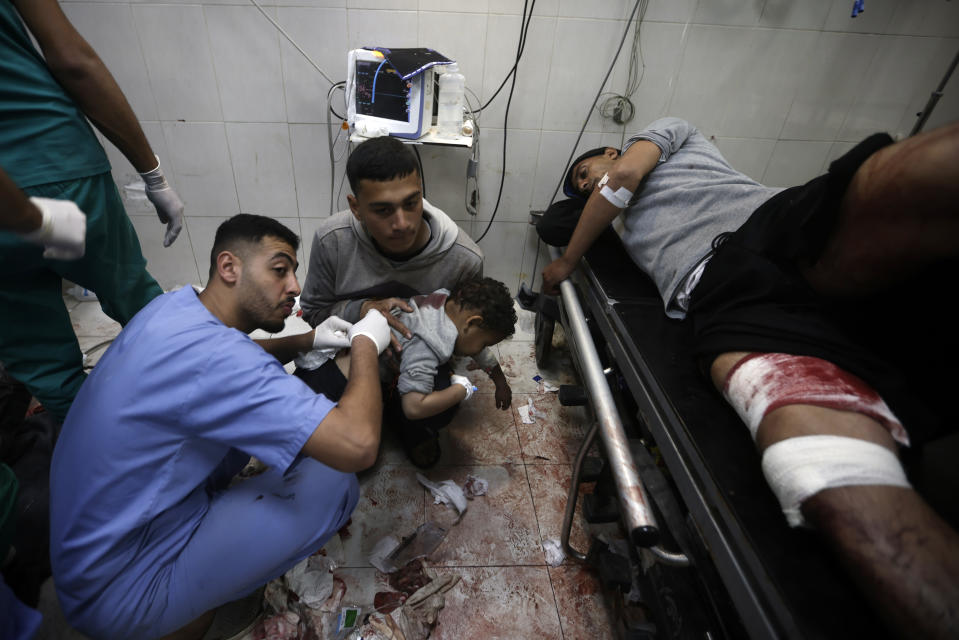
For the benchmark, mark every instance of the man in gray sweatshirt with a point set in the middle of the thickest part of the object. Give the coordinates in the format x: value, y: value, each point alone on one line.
x: 775, y: 283
x: 390, y: 246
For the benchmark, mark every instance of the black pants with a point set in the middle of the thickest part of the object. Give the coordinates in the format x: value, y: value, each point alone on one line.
x: 753, y: 297
x: 330, y: 381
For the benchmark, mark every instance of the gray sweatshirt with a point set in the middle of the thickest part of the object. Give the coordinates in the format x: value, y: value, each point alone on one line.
x: 688, y: 199
x: 346, y: 269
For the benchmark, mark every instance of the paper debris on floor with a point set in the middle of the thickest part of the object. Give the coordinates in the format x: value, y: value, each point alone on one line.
x: 554, y: 552
x: 294, y: 610
x: 545, y: 385
x: 445, y: 492
x: 381, y: 551
x: 475, y: 486
x: 414, y: 620
x: 312, y: 580
x: 420, y: 544
x: 391, y: 554
x: 528, y: 411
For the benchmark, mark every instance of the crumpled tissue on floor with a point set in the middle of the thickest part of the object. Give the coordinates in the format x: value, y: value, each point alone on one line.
x: 414, y: 620
x: 446, y: 492
x: 287, y: 597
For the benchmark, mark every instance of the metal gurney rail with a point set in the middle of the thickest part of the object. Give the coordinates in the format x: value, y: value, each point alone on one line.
x: 638, y: 517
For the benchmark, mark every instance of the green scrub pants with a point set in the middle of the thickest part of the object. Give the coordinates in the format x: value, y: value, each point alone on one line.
x: 37, y: 343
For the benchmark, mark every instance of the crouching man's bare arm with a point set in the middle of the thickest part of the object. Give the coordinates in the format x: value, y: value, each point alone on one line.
x: 348, y: 438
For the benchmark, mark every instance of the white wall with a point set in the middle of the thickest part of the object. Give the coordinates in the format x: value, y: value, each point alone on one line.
x: 238, y: 116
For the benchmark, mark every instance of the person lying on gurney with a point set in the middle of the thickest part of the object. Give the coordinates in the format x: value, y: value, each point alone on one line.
x: 760, y: 273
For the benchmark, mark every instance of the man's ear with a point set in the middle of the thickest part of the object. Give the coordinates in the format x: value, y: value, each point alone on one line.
x: 354, y: 205
x: 611, y: 153
x: 229, y: 266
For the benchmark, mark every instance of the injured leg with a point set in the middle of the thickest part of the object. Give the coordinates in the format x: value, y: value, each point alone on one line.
x: 898, y: 216
x: 831, y: 460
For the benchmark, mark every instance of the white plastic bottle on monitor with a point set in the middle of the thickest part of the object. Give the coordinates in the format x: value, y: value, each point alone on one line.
x: 449, y: 117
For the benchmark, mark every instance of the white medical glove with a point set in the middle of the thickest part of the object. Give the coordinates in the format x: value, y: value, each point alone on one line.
x: 463, y: 380
x: 168, y: 204
x: 63, y: 230
x: 374, y: 327
x: 332, y: 333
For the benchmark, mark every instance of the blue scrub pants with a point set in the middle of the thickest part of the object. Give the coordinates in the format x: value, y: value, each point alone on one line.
x: 252, y: 532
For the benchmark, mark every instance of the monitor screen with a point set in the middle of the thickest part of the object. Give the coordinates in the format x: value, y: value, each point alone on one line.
x: 382, y: 93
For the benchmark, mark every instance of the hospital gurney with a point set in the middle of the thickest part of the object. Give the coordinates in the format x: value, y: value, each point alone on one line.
x: 723, y: 562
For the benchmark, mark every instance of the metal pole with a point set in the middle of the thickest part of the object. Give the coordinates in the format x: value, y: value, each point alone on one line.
x: 637, y: 515
x: 934, y: 98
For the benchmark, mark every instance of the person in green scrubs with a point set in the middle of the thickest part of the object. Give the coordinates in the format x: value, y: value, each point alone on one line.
x: 50, y: 151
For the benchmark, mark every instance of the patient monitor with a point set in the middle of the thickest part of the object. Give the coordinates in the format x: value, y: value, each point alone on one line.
x: 386, y: 95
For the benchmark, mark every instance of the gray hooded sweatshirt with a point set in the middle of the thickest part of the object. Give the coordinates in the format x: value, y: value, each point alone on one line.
x: 346, y: 269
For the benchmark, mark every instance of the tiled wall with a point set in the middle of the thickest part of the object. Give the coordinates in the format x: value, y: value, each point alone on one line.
x: 239, y: 117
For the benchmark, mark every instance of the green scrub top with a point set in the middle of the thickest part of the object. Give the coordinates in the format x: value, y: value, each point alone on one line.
x: 44, y: 137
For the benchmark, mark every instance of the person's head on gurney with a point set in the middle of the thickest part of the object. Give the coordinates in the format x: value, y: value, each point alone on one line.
x: 587, y: 170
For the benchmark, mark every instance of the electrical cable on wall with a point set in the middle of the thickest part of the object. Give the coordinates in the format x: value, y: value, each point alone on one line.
x: 589, y: 112
x: 524, y: 27
x: 293, y: 42
x: 522, y: 45
x: 619, y: 107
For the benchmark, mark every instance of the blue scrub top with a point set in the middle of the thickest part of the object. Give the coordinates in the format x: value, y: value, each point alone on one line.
x: 173, y: 393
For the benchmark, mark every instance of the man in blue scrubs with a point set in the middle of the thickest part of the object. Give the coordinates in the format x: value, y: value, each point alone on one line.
x: 146, y: 538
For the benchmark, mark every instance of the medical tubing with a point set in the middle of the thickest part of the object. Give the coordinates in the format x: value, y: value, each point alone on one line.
x: 329, y: 94
x: 329, y: 144
x: 509, y: 100
x: 473, y: 164
x: 573, y: 494
x: 287, y: 36
x: 589, y: 112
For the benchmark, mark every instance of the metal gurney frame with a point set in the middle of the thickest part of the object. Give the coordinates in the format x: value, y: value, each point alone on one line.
x: 751, y: 549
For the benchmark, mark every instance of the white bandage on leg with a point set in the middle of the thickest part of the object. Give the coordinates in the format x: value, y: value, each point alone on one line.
x: 798, y: 468
x: 764, y: 382
x: 619, y: 198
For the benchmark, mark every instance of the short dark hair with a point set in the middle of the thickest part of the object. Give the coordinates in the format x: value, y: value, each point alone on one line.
x: 381, y: 159
x: 569, y: 187
x: 248, y: 228
x: 491, y: 299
